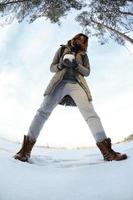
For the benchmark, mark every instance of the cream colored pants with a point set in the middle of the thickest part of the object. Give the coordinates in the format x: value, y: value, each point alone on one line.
x: 80, y: 98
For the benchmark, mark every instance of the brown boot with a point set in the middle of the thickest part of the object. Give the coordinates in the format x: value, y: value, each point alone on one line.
x: 25, y: 151
x: 108, y: 153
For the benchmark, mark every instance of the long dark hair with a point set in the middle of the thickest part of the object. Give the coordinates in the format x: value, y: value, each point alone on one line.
x: 84, y: 44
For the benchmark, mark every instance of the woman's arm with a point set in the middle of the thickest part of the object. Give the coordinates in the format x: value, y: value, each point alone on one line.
x: 55, y: 63
x: 85, y: 68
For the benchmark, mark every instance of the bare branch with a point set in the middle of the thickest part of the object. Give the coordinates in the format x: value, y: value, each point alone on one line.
x: 115, y: 31
x: 13, y: 2
x: 126, y: 13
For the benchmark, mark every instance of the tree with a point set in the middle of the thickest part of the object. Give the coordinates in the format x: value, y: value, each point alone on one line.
x: 108, y: 18
x: 33, y: 9
x: 100, y: 18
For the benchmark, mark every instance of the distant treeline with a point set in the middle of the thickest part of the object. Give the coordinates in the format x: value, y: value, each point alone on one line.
x: 129, y: 138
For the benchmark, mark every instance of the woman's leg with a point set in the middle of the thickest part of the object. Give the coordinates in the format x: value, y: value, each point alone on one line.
x: 87, y: 110
x: 46, y: 108
x: 94, y: 122
x: 41, y: 116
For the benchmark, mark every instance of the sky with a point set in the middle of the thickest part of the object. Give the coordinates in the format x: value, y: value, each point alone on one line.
x: 26, y: 52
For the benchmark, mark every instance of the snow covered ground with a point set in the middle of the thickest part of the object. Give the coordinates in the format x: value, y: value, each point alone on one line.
x: 58, y: 174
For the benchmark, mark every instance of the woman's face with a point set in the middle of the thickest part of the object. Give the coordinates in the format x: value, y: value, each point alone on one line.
x: 80, y: 40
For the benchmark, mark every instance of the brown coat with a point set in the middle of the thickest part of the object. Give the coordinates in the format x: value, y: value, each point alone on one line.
x: 83, y: 70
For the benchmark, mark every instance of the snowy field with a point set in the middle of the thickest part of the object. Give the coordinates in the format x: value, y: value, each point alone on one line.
x: 57, y: 174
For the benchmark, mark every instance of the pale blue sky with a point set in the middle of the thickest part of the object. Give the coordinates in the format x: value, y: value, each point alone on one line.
x: 26, y: 52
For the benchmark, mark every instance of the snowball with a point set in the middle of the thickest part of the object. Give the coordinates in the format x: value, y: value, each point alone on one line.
x: 70, y: 57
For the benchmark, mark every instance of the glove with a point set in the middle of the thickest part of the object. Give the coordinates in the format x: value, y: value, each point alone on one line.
x: 65, y: 63
x: 61, y: 66
x: 74, y: 64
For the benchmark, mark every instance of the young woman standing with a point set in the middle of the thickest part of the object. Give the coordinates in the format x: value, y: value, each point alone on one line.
x: 69, y: 87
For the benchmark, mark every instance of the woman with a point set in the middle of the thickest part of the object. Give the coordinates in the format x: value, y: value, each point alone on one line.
x: 69, y: 87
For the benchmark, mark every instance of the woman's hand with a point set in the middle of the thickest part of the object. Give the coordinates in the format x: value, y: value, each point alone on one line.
x: 65, y: 63
x: 74, y: 64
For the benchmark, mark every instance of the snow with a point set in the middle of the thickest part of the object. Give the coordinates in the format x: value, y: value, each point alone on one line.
x: 62, y: 174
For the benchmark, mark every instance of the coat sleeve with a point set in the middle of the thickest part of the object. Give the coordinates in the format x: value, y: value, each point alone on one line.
x: 85, y: 68
x: 54, y: 65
